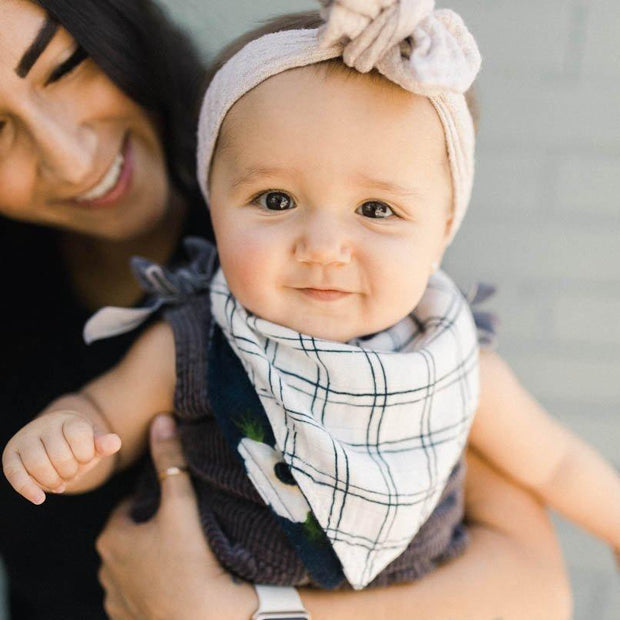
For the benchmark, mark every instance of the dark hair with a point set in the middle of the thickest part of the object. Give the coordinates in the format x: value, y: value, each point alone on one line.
x: 152, y: 61
x: 304, y: 20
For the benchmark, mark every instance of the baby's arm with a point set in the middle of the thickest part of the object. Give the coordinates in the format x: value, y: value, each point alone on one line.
x: 514, y: 432
x: 66, y: 447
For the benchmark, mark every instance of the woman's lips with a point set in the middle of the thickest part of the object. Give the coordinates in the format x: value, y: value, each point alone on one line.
x: 122, y: 184
x: 324, y: 294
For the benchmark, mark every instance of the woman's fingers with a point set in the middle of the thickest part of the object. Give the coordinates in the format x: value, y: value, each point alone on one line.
x: 117, y: 533
x: 170, y: 464
x: 114, y: 604
x: 168, y: 549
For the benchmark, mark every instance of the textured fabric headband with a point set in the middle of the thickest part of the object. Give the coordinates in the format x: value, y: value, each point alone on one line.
x: 427, y: 52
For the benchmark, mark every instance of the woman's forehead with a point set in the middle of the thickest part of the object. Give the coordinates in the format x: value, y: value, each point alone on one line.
x: 21, y: 22
x: 26, y: 32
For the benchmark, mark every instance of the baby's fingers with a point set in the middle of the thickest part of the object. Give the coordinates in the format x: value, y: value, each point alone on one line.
x: 107, y: 444
x: 60, y: 454
x: 19, y: 479
x: 80, y: 436
x: 37, y: 463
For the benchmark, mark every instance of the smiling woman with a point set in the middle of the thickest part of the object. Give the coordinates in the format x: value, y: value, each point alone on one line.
x: 77, y: 152
x: 97, y: 151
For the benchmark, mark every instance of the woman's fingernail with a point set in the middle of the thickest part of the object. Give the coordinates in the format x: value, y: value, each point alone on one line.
x: 164, y: 427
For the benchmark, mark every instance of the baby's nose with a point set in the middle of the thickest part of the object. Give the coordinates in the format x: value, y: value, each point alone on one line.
x: 324, y: 243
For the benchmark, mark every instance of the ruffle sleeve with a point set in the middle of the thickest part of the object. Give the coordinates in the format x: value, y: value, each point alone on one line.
x: 164, y: 288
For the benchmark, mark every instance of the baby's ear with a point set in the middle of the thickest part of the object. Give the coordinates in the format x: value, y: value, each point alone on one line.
x: 447, y: 231
x: 449, y: 222
x: 444, y: 243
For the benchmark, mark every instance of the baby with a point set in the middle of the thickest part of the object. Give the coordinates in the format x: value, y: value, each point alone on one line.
x: 324, y: 371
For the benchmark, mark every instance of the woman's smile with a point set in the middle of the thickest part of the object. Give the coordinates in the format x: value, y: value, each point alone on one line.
x: 115, y: 183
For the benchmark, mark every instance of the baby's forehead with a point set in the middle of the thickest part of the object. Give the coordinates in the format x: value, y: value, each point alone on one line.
x: 327, y: 93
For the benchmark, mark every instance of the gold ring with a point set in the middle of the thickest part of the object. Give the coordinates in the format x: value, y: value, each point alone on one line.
x: 172, y: 471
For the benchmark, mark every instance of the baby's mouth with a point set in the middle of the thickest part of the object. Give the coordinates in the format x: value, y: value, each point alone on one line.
x: 324, y: 294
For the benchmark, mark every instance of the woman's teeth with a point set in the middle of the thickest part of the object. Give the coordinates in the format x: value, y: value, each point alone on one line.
x: 108, y: 182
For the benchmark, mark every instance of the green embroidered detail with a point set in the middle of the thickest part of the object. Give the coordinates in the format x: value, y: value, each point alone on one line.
x: 251, y: 427
x: 313, y: 531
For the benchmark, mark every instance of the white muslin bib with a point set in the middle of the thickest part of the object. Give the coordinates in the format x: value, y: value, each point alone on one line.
x: 370, y: 429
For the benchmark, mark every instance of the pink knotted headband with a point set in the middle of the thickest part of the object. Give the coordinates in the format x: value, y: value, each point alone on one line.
x: 427, y: 52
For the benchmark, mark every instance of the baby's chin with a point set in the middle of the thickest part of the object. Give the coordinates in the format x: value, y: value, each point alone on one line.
x: 337, y: 327
x: 335, y: 332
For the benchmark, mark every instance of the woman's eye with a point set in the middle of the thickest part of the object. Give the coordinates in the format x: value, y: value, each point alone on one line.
x: 77, y: 58
x: 375, y: 209
x: 275, y: 201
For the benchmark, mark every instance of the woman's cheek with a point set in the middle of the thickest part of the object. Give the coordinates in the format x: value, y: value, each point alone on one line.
x: 15, y: 197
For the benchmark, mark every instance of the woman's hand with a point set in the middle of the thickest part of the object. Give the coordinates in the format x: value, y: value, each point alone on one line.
x: 164, y: 568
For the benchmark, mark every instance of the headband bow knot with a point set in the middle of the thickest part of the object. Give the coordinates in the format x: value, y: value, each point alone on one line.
x: 420, y: 49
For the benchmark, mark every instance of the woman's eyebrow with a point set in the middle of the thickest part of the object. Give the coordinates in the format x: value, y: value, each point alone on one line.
x: 37, y: 47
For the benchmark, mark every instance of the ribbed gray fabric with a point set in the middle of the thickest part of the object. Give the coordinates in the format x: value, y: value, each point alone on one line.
x: 241, y: 530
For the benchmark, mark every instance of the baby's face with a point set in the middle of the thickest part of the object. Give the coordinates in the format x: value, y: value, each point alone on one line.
x: 330, y: 200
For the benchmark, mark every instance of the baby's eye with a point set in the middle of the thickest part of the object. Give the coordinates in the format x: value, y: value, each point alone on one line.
x: 375, y: 209
x: 275, y: 201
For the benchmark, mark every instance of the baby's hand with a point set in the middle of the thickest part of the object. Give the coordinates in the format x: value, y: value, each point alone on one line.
x: 53, y: 450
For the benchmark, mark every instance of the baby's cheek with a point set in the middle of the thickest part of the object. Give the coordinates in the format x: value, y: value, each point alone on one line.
x: 247, y: 270
x: 241, y: 268
x: 398, y: 285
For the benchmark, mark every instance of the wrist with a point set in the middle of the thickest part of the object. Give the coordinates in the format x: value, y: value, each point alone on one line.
x: 230, y: 598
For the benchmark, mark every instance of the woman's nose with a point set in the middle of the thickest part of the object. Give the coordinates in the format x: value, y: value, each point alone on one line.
x: 66, y: 148
x: 323, y: 242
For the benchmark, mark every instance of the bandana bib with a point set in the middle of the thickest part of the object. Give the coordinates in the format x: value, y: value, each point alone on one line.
x: 370, y: 430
